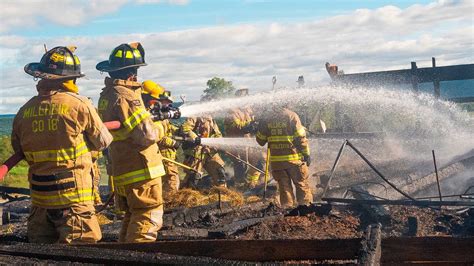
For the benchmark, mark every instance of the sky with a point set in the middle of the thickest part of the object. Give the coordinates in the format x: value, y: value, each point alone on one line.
x: 187, y: 42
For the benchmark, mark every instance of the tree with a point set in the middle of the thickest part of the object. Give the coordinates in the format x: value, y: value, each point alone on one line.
x: 217, y: 88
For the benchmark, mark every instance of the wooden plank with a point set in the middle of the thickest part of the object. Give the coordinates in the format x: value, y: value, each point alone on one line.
x: 371, y: 250
x: 237, y: 226
x: 419, y: 203
x: 251, y: 250
x: 427, y: 249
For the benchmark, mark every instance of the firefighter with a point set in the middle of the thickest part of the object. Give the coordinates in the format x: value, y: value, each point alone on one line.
x: 136, y: 165
x: 240, y: 123
x: 167, y: 145
x: 56, y: 131
x: 289, y: 154
x: 198, y: 156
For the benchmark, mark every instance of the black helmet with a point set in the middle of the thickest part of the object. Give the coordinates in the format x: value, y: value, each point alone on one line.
x: 57, y: 63
x: 123, y: 56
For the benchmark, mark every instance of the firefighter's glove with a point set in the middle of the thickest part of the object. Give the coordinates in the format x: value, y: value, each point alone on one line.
x: 197, y: 141
x: 251, y: 128
x: 307, y: 159
x: 177, y: 113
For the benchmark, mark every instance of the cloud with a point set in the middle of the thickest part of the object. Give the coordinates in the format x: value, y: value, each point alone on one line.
x: 251, y: 54
x: 32, y: 13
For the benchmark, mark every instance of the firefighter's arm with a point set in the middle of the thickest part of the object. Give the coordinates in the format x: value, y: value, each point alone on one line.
x: 261, y: 136
x: 236, y: 122
x: 217, y: 133
x: 167, y: 141
x: 188, y: 127
x: 300, y: 140
x: 137, y: 122
x: 95, y: 131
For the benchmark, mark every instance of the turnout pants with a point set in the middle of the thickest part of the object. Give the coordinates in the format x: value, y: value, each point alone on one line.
x: 143, y: 205
x: 171, y: 179
x: 210, y: 163
x: 76, y: 224
x: 298, y: 175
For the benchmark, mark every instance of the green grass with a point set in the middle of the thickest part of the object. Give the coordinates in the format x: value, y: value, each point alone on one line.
x: 18, y: 175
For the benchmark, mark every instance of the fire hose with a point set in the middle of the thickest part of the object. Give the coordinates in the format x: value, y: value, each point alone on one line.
x: 17, y: 157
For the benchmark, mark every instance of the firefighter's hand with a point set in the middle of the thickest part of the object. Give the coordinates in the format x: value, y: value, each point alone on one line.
x: 189, y: 142
x: 307, y: 159
x: 197, y: 141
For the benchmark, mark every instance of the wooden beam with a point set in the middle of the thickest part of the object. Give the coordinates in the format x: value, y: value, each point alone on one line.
x: 419, y: 203
x: 251, y: 250
x: 436, y: 249
x: 394, y: 250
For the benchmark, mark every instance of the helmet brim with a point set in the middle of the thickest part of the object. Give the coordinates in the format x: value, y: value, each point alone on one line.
x: 105, y: 66
x: 33, y: 69
x: 165, y: 98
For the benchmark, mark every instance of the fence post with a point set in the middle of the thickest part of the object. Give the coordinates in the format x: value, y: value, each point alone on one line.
x: 437, y: 91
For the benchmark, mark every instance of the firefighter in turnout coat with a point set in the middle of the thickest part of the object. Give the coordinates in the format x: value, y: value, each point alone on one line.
x: 136, y: 164
x: 289, y: 151
x: 56, y: 131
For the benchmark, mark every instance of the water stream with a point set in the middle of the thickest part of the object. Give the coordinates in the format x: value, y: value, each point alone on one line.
x: 414, y: 124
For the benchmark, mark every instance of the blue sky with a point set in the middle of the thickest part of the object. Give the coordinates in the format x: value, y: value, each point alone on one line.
x: 145, y: 18
x: 188, y: 42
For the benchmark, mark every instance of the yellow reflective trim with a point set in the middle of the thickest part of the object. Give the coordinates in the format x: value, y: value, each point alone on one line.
x: 139, y: 175
x: 119, y: 54
x: 136, y: 52
x: 69, y: 60
x: 305, y: 151
x: 128, y: 54
x: 300, y: 132
x: 286, y: 158
x: 136, y: 118
x: 239, y: 123
x: 55, y: 57
x: 261, y: 136
x: 57, y: 155
x: 280, y: 139
x: 129, y: 124
x: 76, y: 59
x: 76, y: 196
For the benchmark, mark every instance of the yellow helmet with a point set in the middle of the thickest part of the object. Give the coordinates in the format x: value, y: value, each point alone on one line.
x: 152, y: 88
